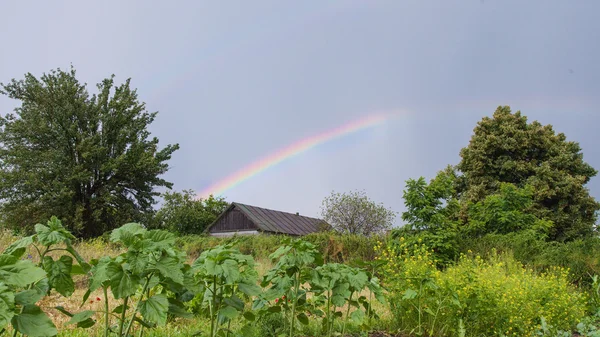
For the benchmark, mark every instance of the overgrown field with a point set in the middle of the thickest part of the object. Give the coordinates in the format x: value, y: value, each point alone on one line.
x: 150, y: 283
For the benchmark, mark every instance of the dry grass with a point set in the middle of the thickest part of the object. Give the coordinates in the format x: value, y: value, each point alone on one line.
x: 6, y: 239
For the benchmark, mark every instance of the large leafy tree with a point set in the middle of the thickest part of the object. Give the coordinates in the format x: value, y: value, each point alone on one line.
x: 182, y: 212
x: 355, y: 213
x: 88, y: 159
x: 432, y: 214
x: 507, y: 149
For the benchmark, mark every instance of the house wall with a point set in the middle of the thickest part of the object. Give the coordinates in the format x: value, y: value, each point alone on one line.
x: 233, y: 221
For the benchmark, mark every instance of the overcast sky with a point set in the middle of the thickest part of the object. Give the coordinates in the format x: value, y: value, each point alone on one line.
x: 236, y: 80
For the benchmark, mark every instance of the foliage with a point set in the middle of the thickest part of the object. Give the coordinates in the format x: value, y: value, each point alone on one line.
x: 22, y: 285
x: 181, y: 212
x: 151, y: 271
x: 87, y: 159
x: 581, y: 257
x: 35, y: 282
x: 505, y: 212
x: 338, y: 286
x: 225, y: 276
x: 355, y: 213
x: 293, y: 269
x: 508, y: 149
x: 496, y: 297
x: 432, y: 214
x: 436, y: 219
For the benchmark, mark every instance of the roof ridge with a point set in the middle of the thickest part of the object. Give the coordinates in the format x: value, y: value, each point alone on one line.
x: 274, y: 210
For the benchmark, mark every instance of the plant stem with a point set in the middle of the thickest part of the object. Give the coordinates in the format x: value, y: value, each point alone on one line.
x: 419, y: 305
x: 212, y: 308
x: 432, y: 330
x: 122, y: 322
x: 295, y: 299
x: 329, y: 326
x: 38, y: 250
x: 137, y: 306
x: 347, y: 314
x: 106, y: 313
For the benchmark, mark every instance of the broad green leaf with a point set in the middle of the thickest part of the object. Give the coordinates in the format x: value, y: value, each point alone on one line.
x: 42, y: 286
x: 249, y: 316
x: 302, y: 318
x: 127, y: 233
x: 190, y: 282
x: 122, y: 283
x: 7, y: 260
x: 338, y: 300
x: 280, y: 252
x: 259, y: 303
x: 357, y: 316
x: 19, y: 273
x: 83, y: 319
x: 53, y: 234
x: 249, y: 330
x: 76, y: 269
x: 231, y: 271
x: 7, y: 304
x: 409, y: 294
x: 137, y: 262
x: 160, y: 239
x: 177, y: 309
x: 235, y: 302
x: 249, y: 289
x: 317, y: 312
x: 154, y: 281
x: 18, y: 248
x: 100, y: 272
x: 169, y: 267
x: 228, y: 312
x: 358, y: 280
x: 155, y: 309
x: 59, y: 274
x: 82, y: 263
x: 118, y: 309
x: 33, y: 322
x: 274, y: 309
x: 27, y: 297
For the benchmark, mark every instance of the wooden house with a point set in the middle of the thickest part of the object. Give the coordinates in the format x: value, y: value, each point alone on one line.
x: 245, y: 219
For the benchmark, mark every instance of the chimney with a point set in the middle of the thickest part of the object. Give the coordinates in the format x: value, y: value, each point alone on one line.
x: 297, y: 213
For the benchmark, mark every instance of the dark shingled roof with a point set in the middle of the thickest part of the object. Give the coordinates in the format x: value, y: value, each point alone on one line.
x: 268, y: 220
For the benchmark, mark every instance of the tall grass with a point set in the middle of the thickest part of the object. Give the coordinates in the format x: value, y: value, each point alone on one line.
x: 334, y: 247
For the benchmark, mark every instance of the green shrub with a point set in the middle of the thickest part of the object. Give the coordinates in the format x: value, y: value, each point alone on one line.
x: 581, y: 257
x: 498, y: 296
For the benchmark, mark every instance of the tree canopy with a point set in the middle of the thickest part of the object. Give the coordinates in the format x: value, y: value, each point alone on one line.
x: 513, y: 176
x: 508, y: 149
x: 355, y: 213
x: 181, y: 212
x: 88, y: 159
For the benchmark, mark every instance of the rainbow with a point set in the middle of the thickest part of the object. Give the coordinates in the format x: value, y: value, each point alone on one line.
x: 289, y: 151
